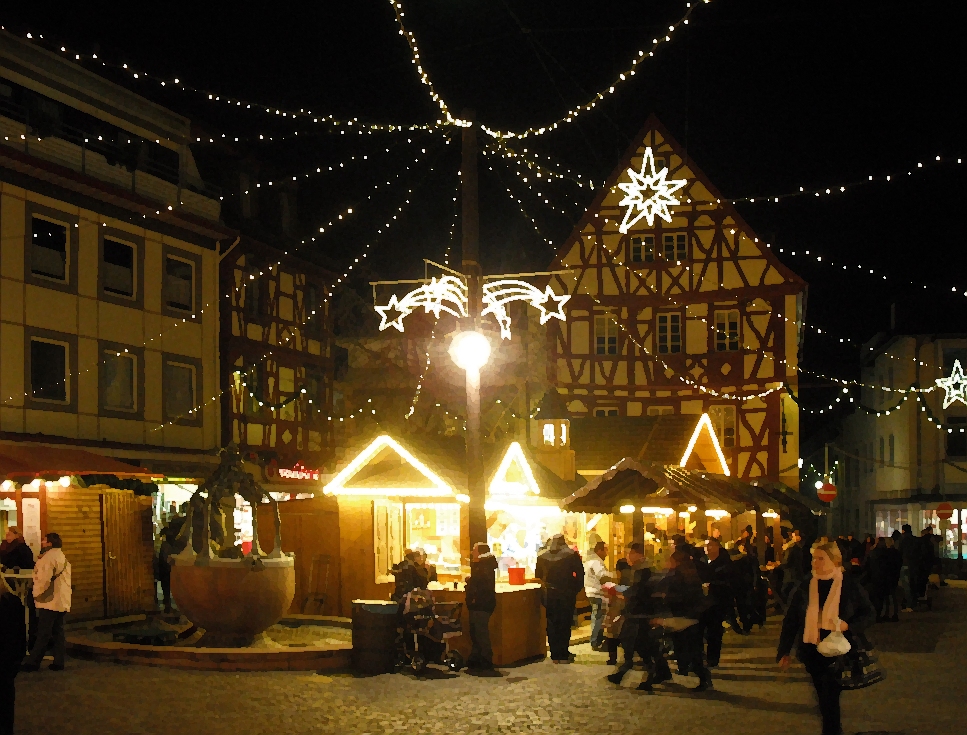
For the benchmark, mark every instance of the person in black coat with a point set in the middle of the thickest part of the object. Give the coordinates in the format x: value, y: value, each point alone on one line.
x: 875, y: 576
x: 810, y: 619
x: 561, y: 571
x: 412, y: 573
x: 636, y: 634
x: 14, y: 552
x: 893, y: 563
x: 684, y: 598
x: 13, y: 648
x: 481, y: 603
x: 718, y: 573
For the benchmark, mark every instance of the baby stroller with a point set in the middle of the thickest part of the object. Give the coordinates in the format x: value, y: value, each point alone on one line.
x: 426, y: 630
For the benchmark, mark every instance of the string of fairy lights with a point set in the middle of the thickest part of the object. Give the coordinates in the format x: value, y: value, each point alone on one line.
x: 529, y: 160
x: 539, y: 195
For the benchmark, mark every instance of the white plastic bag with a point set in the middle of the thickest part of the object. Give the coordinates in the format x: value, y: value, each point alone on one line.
x: 833, y: 645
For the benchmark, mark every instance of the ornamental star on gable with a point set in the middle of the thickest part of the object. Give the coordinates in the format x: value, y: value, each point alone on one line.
x: 955, y: 386
x: 658, y: 189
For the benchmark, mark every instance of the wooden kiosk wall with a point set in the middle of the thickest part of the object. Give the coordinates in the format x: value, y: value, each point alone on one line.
x: 309, y: 527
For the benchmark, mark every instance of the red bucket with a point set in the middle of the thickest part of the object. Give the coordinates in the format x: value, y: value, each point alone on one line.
x: 515, y: 575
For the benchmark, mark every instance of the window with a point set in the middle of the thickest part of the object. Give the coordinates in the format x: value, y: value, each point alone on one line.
x: 119, y: 381
x: 882, y: 453
x: 660, y: 410
x: 179, y: 283
x: 675, y: 247
x: 727, y: 331
x: 643, y: 249
x: 252, y: 294
x: 387, y: 538
x: 957, y: 441
x: 606, y: 412
x: 892, y: 450
x: 605, y: 335
x: 118, y: 268
x: 48, y: 371
x: 179, y: 390
x: 48, y: 249
x: 669, y: 333
x: 252, y: 390
x: 849, y: 472
x: 315, y: 390
x: 723, y: 419
x: 435, y: 528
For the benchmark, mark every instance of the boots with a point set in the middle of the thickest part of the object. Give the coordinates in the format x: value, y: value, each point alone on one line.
x: 704, y: 681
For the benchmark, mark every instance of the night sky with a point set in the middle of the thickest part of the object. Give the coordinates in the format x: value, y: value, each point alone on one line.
x: 766, y: 96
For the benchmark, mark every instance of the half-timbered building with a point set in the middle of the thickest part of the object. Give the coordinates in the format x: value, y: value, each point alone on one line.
x: 276, y: 360
x: 677, y: 307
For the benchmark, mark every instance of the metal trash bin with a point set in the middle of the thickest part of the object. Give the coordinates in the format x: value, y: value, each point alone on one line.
x: 375, y: 625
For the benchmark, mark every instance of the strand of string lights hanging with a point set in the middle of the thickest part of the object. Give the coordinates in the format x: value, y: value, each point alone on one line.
x: 353, y: 127
x: 520, y: 207
x: 175, y: 82
x: 321, y: 171
x: 527, y: 159
x: 542, y: 198
x: 526, y: 176
x: 621, y: 78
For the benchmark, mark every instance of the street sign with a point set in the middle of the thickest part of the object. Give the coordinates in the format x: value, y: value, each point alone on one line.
x: 945, y: 511
x: 827, y: 493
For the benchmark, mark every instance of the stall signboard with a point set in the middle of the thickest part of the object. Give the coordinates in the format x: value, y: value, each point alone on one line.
x: 298, y: 472
x: 827, y: 493
x: 945, y: 511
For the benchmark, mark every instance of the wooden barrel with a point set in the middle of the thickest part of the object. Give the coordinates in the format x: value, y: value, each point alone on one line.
x: 374, y: 636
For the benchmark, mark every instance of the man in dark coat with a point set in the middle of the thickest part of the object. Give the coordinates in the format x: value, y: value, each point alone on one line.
x: 908, y: 551
x: 14, y: 552
x: 562, y: 573
x: 718, y: 574
x: 792, y: 563
x: 481, y: 603
x: 13, y: 648
x: 636, y: 636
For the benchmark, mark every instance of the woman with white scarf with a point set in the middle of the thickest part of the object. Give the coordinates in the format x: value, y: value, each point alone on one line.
x: 826, y: 600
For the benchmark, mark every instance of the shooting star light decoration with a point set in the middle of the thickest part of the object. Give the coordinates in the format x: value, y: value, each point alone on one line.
x: 449, y: 294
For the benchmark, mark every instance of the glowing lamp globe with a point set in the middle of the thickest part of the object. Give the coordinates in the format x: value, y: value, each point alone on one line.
x: 470, y: 350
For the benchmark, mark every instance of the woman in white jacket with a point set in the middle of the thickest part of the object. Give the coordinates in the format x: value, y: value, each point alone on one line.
x: 52, y: 597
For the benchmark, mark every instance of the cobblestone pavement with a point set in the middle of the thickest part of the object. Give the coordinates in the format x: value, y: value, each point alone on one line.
x: 924, y: 692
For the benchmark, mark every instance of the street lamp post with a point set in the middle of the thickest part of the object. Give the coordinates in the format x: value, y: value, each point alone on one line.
x: 470, y: 351
x: 470, y: 348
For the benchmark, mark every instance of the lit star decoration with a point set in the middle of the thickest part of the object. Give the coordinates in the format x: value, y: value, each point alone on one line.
x: 449, y: 294
x: 657, y: 202
x: 955, y: 387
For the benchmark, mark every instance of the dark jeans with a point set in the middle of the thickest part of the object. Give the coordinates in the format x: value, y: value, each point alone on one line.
x: 50, y: 631
x: 688, y: 651
x: 8, y: 694
x: 560, y: 613
x: 636, y: 637
x: 712, y: 631
x: 481, y: 653
x: 827, y: 689
x: 164, y: 576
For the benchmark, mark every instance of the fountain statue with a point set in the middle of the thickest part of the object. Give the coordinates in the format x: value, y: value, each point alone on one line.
x: 233, y: 597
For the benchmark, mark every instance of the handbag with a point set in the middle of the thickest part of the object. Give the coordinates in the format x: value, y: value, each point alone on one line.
x: 857, y: 669
x: 48, y: 594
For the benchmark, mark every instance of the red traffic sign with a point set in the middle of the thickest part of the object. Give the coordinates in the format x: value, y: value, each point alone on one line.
x: 827, y: 493
x: 945, y: 511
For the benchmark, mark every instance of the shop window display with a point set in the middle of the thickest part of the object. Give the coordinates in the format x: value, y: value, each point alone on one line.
x: 435, y: 528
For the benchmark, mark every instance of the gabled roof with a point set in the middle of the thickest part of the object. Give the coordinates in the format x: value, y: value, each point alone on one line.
x: 381, y: 467
x: 647, y: 136
x: 600, y: 442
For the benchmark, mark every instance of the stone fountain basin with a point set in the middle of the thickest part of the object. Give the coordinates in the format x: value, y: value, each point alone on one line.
x: 231, y: 599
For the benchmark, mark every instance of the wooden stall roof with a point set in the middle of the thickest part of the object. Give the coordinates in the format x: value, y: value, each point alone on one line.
x: 600, y: 442
x: 651, y: 483
x: 17, y: 460
x: 446, y: 456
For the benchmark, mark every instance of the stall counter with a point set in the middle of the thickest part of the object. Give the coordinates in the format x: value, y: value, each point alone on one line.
x: 517, y: 627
